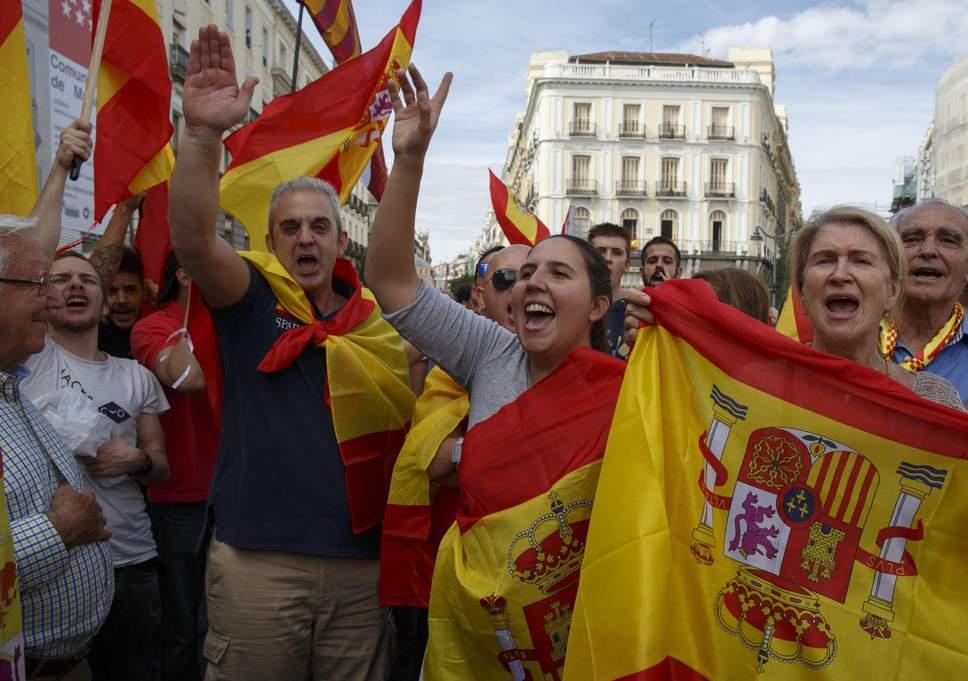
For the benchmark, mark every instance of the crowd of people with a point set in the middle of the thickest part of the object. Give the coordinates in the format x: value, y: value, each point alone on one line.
x: 163, y: 534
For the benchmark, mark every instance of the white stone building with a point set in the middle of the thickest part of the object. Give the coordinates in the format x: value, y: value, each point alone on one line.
x: 949, y: 137
x: 684, y: 146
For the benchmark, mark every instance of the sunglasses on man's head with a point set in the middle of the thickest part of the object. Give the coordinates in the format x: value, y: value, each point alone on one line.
x: 504, y: 278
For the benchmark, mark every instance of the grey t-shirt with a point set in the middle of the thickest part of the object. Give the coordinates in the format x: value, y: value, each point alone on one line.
x: 478, y: 353
x: 122, y: 390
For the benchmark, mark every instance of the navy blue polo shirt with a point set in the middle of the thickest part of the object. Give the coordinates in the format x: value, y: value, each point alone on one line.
x: 278, y: 481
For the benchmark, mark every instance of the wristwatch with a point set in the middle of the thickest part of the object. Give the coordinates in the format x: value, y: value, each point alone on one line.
x: 455, y: 452
x: 148, y: 465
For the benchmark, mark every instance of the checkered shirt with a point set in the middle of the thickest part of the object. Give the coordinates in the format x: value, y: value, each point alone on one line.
x: 65, y: 592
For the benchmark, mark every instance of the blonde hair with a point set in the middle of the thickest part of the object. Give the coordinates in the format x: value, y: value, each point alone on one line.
x: 876, y: 225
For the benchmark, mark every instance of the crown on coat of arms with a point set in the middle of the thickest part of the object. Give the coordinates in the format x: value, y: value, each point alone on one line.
x: 555, y: 546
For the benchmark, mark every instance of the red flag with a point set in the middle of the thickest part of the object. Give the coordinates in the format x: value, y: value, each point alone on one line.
x: 152, y: 238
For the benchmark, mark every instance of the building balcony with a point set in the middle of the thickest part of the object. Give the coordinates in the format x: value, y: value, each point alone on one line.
x: 672, y: 189
x: 631, y: 130
x: 178, y: 62
x: 672, y: 131
x: 765, y: 198
x: 281, y: 82
x: 721, y: 190
x: 582, y: 128
x: 581, y: 186
x: 720, y: 132
x: 651, y: 73
x: 631, y: 188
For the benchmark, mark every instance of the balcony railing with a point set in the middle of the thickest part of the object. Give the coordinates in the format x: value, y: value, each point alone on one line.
x: 631, y: 129
x: 631, y: 188
x: 672, y: 188
x: 721, y: 189
x: 581, y: 186
x: 672, y: 131
x: 581, y: 128
x: 720, y: 132
x: 730, y: 247
x: 765, y: 198
x: 652, y: 73
x: 178, y: 62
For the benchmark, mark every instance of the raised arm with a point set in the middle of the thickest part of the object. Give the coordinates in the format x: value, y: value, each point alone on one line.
x: 213, y: 103
x: 75, y: 140
x: 392, y: 277
x: 106, y: 256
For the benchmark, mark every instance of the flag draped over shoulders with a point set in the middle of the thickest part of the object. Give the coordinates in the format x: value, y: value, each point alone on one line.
x: 131, y: 152
x: 768, y: 511
x: 329, y: 129
x: 18, y: 165
x: 507, y: 570
x: 519, y: 224
x: 418, y: 510
x: 367, y: 374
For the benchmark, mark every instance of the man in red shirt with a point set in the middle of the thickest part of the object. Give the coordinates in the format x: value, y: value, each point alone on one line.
x: 178, y: 507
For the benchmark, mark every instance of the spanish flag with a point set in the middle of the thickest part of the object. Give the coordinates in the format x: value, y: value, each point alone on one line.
x: 336, y: 22
x: 519, y: 225
x: 131, y: 152
x: 793, y: 322
x: 766, y: 511
x: 368, y: 380
x: 418, y: 511
x: 329, y: 129
x: 507, y: 571
x: 18, y: 167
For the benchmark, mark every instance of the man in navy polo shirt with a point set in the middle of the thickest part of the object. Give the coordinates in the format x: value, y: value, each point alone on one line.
x: 292, y: 589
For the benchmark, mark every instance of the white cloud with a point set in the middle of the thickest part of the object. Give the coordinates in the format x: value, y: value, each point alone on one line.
x: 866, y: 34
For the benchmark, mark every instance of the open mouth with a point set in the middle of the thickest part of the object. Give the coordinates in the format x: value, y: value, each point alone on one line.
x: 927, y: 273
x: 841, y: 306
x: 537, y: 316
x: 76, y: 302
x: 306, y: 262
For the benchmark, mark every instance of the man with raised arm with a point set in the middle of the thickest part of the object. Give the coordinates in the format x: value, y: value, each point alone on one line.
x: 315, y: 404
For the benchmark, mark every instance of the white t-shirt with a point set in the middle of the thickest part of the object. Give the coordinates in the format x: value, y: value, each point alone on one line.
x: 122, y: 390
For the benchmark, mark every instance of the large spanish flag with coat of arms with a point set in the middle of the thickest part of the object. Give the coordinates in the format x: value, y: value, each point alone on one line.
x: 766, y: 511
x: 507, y: 571
x: 330, y: 129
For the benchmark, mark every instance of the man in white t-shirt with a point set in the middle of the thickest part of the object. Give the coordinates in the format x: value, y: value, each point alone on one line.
x: 126, y: 647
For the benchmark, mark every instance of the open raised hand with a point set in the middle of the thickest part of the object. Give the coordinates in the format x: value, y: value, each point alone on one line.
x: 212, y: 98
x: 415, y: 118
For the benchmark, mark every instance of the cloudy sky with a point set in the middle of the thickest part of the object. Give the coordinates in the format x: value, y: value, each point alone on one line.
x: 857, y: 78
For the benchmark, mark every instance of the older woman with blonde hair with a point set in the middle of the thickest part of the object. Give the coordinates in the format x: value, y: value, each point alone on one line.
x: 849, y: 265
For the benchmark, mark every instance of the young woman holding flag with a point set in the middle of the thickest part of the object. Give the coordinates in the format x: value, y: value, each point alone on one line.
x: 541, y: 402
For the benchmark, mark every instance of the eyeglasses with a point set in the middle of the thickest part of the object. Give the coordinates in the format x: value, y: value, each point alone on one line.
x: 481, y: 269
x: 41, y: 283
x: 504, y: 278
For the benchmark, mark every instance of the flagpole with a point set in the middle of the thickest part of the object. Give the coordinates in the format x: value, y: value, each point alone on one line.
x: 295, y: 59
x: 90, y: 85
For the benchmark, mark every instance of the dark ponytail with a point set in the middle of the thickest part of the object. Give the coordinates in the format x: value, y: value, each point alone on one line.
x: 600, y: 282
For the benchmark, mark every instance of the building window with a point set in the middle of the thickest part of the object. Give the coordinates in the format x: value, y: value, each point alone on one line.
x: 582, y: 218
x: 629, y: 184
x: 720, y: 128
x: 265, y: 47
x: 718, y: 169
x: 669, y: 178
x: 248, y: 27
x: 717, y: 225
x: 283, y: 55
x: 230, y: 15
x: 669, y: 224
x: 582, y: 119
x: 630, y: 221
x: 671, y: 128
x: 176, y: 124
x: 630, y: 119
x: 581, y: 167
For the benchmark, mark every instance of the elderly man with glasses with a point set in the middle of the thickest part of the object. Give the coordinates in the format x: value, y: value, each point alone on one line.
x: 59, y: 536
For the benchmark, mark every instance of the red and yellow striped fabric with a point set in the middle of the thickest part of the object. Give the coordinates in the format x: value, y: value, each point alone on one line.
x: 368, y: 381
x: 18, y: 166
x: 329, y: 130
x: 767, y: 511
x: 419, y: 512
x: 507, y: 571
x: 337, y: 24
x: 133, y: 128
x: 519, y: 225
x: 793, y: 322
